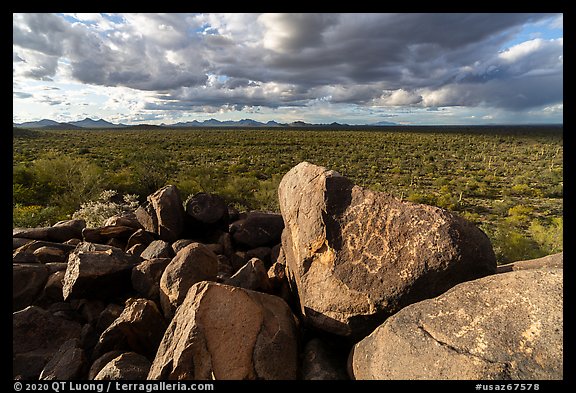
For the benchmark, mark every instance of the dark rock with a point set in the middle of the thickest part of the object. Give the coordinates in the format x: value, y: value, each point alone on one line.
x: 262, y: 253
x: 550, y: 261
x: 139, y: 328
x: 257, y: 229
x: 28, y: 281
x: 97, y: 271
x: 103, y: 234
x: 59, y: 232
x: 68, y: 363
x: 127, y: 220
x: 28, y: 252
x: 180, y: 244
x: 107, y: 316
x: 102, y: 361
x: 18, y: 242
x: 36, y: 337
x: 136, y: 249
x: 158, y: 249
x: 146, y: 277
x: 206, y: 208
x: 322, y: 362
x: 140, y: 237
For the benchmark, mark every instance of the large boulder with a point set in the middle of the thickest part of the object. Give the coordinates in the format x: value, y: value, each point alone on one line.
x: 68, y: 363
x: 225, y: 332
x: 163, y: 213
x: 146, y: 277
x: 357, y: 256
x: 505, y: 326
x: 59, y: 232
x: 126, y: 366
x: 37, y: 335
x: 554, y: 260
x: 97, y: 271
x: 192, y: 264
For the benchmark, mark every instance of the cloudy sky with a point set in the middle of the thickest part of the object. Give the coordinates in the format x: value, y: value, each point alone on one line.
x: 350, y: 68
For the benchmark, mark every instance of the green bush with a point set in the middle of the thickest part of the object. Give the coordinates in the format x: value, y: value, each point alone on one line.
x: 33, y: 216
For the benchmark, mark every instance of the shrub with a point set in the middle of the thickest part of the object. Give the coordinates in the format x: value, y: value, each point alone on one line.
x: 96, y: 212
x: 33, y: 216
x: 549, y: 237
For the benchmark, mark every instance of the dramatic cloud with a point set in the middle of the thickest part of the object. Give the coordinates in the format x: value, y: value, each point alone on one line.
x: 238, y: 62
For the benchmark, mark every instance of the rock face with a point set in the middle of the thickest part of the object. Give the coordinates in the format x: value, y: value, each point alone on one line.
x: 257, y: 229
x: 127, y: 366
x: 356, y: 256
x: 554, y: 260
x: 163, y: 213
x: 97, y: 271
x: 225, y: 332
x: 28, y: 283
x: 192, y: 264
x: 68, y: 363
x: 506, y: 326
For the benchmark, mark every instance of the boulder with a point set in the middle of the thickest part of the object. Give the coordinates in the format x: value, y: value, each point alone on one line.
x: 28, y: 281
x: 554, y: 260
x: 356, y: 256
x: 157, y: 249
x: 163, y: 213
x: 69, y: 363
x: 225, y: 332
x: 139, y: 328
x: 127, y: 366
x: 97, y: 271
x: 127, y: 220
x: 59, y: 232
x: 49, y: 252
x: 102, y: 361
x: 257, y: 229
x: 105, y: 233
x: 206, y: 208
x: 252, y: 276
x: 146, y: 277
x: 505, y: 326
x: 52, y: 291
x: 192, y: 264
x: 37, y: 335
x: 140, y: 237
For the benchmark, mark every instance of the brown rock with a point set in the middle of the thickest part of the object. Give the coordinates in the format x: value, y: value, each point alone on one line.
x: 139, y: 328
x: 157, y: 249
x: 127, y: 220
x: 59, y: 232
x: 103, y: 234
x: 97, y: 271
x: 322, y: 362
x: 28, y: 253
x: 192, y: 264
x: 107, y: 316
x: 52, y: 291
x: 102, y: 361
x: 28, y: 281
x: 225, y: 332
x: 551, y: 261
x: 206, y: 208
x: 257, y: 229
x: 146, y: 277
x: 140, y: 237
x: 50, y: 254
x: 505, y: 326
x: 69, y: 363
x: 252, y: 276
x: 356, y: 256
x: 36, y: 337
x: 163, y: 214
x: 127, y: 366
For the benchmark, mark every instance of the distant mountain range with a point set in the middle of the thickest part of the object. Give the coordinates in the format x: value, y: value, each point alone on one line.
x: 245, y: 123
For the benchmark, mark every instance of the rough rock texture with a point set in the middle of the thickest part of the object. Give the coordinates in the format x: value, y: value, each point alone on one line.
x: 146, y: 277
x: 505, y: 326
x: 67, y: 364
x: 59, y: 232
x: 252, y: 276
x: 225, y: 332
x: 97, y: 271
x: 36, y: 337
x: 554, y: 260
x: 28, y: 252
x: 357, y: 256
x: 206, y: 208
x: 321, y: 362
x: 102, y: 361
x: 257, y: 229
x: 157, y: 249
x: 139, y: 328
x: 28, y: 282
x: 127, y: 366
x: 163, y: 213
x: 192, y: 264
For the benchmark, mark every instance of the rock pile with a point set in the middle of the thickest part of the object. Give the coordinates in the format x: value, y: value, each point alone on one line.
x: 344, y: 283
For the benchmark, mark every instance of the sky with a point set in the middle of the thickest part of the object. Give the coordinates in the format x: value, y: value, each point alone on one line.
x: 444, y: 68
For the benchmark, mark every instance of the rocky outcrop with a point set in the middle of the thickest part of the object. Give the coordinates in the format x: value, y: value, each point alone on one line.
x: 551, y: 261
x: 356, y: 256
x: 506, y: 326
x: 225, y: 332
x: 211, y: 294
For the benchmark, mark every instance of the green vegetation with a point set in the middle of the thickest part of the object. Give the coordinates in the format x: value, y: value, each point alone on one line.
x: 507, y: 181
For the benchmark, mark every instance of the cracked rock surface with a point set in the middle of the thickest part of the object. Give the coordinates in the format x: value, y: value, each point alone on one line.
x: 505, y: 326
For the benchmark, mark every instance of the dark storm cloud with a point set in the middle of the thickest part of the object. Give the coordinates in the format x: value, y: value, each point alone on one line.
x: 273, y: 60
